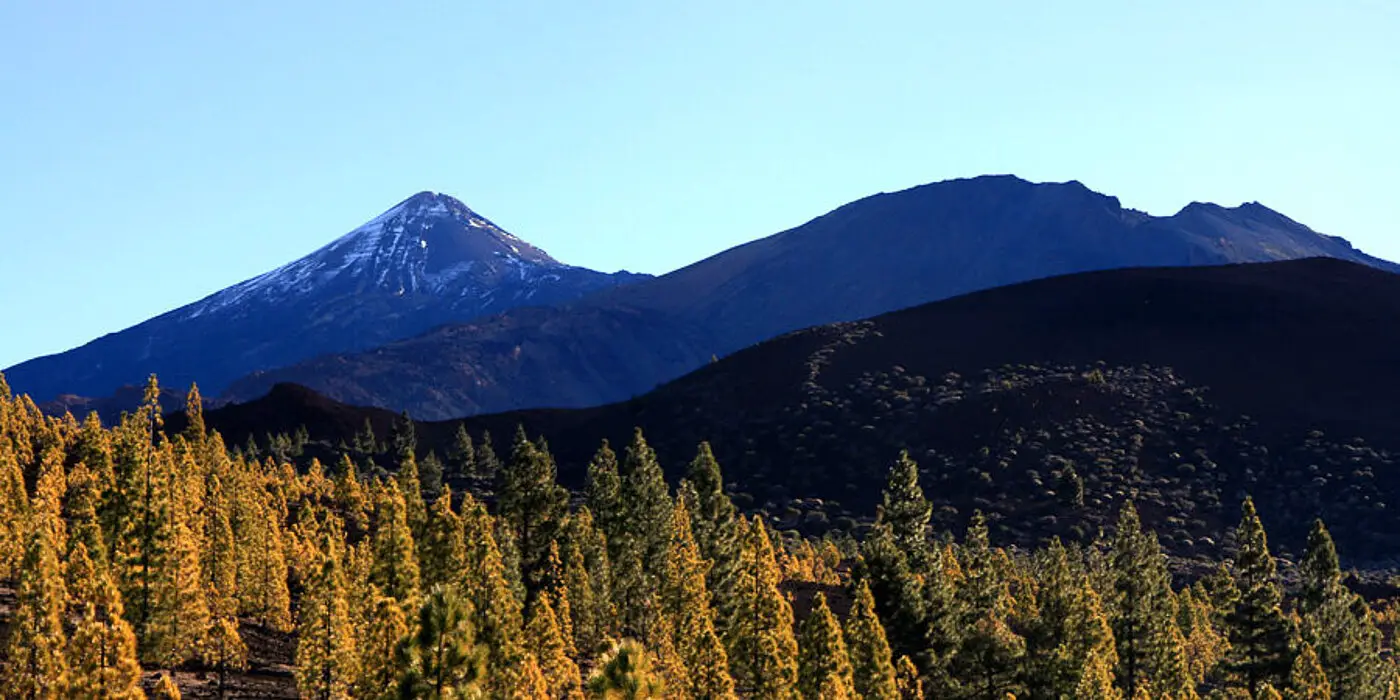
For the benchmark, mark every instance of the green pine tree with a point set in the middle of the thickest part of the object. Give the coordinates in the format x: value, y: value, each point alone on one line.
x: 872, y: 664
x: 441, y: 659
x: 760, y: 642
x: 823, y: 663
x: 1259, y: 632
x: 532, y: 505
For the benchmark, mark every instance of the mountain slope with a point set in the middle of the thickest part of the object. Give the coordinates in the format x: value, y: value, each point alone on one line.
x: 1140, y: 379
x: 881, y: 253
x: 425, y: 262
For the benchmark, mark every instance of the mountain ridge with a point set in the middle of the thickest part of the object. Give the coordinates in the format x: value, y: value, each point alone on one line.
x: 877, y: 254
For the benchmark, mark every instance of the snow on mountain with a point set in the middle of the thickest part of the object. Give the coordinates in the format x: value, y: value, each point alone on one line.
x: 427, y: 261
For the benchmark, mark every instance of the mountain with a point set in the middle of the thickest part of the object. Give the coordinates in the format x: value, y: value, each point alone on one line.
x: 1185, y: 388
x: 425, y: 262
x: 878, y: 254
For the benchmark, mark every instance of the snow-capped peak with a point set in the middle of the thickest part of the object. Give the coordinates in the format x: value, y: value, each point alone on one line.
x: 429, y: 243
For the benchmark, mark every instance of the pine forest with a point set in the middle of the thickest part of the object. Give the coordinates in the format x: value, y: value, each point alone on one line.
x: 136, y: 563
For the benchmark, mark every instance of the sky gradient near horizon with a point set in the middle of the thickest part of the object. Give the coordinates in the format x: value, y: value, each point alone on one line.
x: 152, y: 153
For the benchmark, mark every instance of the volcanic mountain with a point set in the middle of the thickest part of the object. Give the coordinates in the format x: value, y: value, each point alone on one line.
x: 878, y: 254
x: 425, y: 262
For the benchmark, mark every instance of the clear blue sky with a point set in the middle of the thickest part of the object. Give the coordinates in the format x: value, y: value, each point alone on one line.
x: 154, y: 152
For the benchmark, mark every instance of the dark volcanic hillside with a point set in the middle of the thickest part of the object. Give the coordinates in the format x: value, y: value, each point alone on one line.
x: 427, y: 261
x: 879, y: 254
x: 1140, y: 379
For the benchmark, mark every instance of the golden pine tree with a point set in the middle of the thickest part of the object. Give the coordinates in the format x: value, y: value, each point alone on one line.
x: 1267, y: 692
x: 822, y: 659
x: 546, y: 640
x: 219, y: 562
x: 350, y: 496
x: 872, y: 665
x: 14, y: 510
x: 444, y: 547
x: 224, y: 650
x: 84, y: 495
x: 378, y: 667
x: 907, y: 680
x: 325, y: 656
x: 180, y: 613
x: 497, y: 610
x: 267, y: 591
x: 395, y: 568
x: 556, y: 585
x: 528, y: 682
x: 1307, y: 681
x: 688, y: 616
x: 36, y: 667
x: 1096, y: 678
x: 762, y: 648
x: 166, y: 689
x: 101, y: 654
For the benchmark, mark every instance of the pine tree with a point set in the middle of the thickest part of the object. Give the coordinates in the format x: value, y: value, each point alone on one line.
x: 224, y: 650
x: 220, y: 559
x: 101, y: 654
x: 1096, y: 678
x: 899, y: 592
x: 1307, y: 681
x: 195, y: 431
x: 907, y: 680
x: 646, y: 499
x: 441, y: 659
x: 497, y: 622
x: 487, y: 463
x: 84, y: 496
x: 378, y: 648
x: 1074, y: 626
x: 444, y: 547
x: 37, y: 667
x: 761, y: 646
x: 1139, y: 610
x: 533, y: 505
x: 822, y: 658
x: 395, y: 568
x: 625, y: 673
x: 461, y: 457
x: 432, y: 472
x: 712, y: 516
x: 1337, y: 621
x: 1268, y: 692
x: 545, y: 639
x: 589, y: 574
x: 14, y: 511
x: 166, y: 689
x: 263, y: 592
x: 180, y: 613
x: 583, y: 606
x: 907, y: 511
x: 1259, y: 632
x: 872, y: 665
x: 415, y: 508
x: 639, y: 550
x: 528, y: 681
x: 603, y: 492
x: 325, y: 655
x: 350, y: 496
x: 685, y: 603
